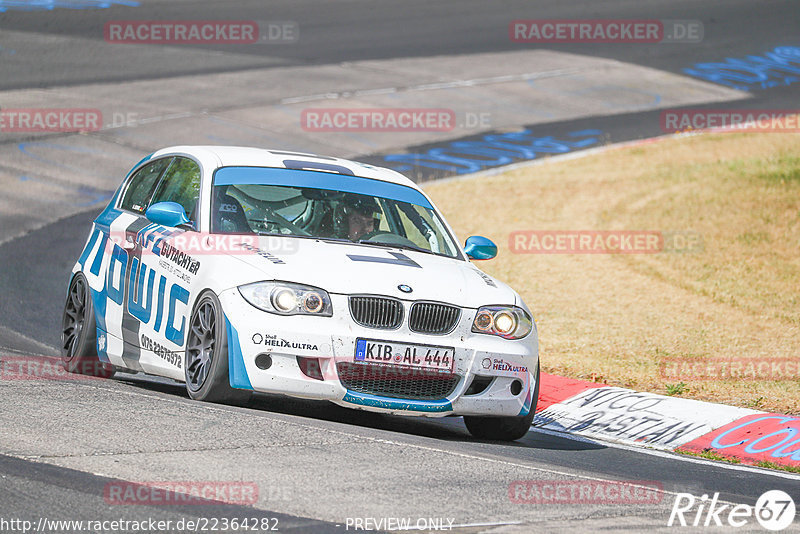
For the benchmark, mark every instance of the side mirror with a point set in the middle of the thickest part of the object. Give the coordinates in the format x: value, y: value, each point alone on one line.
x: 169, y: 214
x: 480, y: 248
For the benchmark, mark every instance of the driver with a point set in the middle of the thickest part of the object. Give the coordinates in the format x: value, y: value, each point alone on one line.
x: 358, y: 216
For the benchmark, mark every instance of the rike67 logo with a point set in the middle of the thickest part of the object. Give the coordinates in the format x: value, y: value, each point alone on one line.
x: 774, y: 510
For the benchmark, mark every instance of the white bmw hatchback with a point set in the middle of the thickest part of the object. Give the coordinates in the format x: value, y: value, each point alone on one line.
x: 240, y: 270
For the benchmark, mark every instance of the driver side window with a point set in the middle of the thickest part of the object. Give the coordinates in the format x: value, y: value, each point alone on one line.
x: 140, y: 188
x: 181, y: 184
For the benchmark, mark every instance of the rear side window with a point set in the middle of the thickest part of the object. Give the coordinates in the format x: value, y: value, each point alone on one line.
x: 141, y: 186
x: 181, y: 184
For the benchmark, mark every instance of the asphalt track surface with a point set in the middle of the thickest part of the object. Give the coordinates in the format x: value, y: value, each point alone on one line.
x: 63, y: 442
x: 353, y: 30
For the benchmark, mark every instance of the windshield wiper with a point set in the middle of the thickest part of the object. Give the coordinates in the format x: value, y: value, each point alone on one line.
x: 333, y: 239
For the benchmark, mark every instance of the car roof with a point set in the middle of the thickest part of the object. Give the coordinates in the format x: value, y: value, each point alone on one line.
x: 238, y: 156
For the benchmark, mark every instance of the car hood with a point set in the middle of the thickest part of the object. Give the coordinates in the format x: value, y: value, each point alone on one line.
x: 363, y: 269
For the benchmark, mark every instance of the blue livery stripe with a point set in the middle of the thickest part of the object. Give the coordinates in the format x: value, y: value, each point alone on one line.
x: 237, y: 374
x: 99, y: 299
x: 108, y: 216
x: 98, y: 258
x: 526, y: 407
x: 88, y: 248
x: 365, y: 399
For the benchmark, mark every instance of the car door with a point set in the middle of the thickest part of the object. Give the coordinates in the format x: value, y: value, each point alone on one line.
x: 141, y: 295
x: 164, y: 264
x: 105, y: 259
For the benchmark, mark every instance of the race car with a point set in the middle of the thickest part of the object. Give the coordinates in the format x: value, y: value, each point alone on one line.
x: 242, y: 270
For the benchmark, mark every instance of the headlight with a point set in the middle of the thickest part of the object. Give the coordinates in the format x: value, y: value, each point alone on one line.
x: 286, y: 298
x: 509, y: 322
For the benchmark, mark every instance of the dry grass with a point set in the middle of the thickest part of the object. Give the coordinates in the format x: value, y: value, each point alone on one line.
x: 620, y: 316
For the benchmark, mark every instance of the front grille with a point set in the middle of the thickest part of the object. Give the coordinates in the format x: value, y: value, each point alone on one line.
x: 433, y: 318
x: 395, y: 381
x: 376, y: 312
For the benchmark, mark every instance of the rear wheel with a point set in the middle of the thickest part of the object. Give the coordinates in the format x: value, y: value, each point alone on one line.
x: 504, y: 428
x: 79, y: 332
x: 206, y: 364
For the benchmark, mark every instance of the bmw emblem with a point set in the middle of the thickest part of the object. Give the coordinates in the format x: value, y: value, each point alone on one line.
x: 404, y: 288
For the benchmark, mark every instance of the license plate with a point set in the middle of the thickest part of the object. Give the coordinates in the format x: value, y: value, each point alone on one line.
x: 403, y: 354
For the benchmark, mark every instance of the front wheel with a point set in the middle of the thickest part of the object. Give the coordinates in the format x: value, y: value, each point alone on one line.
x: 504, y: 428
x: 79, y: 332
x: 206, y: 364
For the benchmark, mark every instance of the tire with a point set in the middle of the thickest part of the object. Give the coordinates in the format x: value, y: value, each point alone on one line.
x: 79, y: 332
x: 206, y: 358
x: 503, y: 428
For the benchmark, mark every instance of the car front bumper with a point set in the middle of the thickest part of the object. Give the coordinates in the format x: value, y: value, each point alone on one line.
x: 323, y: 346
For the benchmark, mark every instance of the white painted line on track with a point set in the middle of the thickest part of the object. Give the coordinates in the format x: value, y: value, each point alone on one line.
x: 434, y: 86
x: 150, y: 120
x: 465, y: 525
x: 47, y: 350
x: 672, y: 455
x: 491, y: 524
x: 462, y: 525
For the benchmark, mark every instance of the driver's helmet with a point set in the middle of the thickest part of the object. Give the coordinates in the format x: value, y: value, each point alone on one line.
x: 354, y: 203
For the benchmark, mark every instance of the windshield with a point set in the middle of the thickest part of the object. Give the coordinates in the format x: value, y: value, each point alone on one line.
x: 268, y: 201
